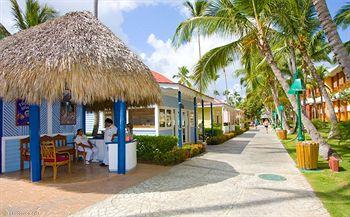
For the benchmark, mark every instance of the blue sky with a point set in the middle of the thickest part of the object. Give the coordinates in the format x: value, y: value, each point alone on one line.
x: 147, y: 27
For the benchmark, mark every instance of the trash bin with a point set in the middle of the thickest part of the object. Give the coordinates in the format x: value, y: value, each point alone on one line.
x: 307, y: 155
x: 282, y: 134
x: 333, y: 164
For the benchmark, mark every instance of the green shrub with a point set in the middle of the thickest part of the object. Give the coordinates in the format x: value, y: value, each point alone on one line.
x: 148, y: 147
x: 216, y: 140
x: 172, y: 157
x: 319, y: 124
x: 217, y: 131
x: 237, y: 129
x: 194, y: 149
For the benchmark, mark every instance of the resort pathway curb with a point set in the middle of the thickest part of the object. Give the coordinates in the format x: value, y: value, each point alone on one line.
x: 249, y: 175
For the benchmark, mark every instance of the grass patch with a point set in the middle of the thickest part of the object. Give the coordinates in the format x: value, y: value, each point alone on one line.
x: 332, y: 188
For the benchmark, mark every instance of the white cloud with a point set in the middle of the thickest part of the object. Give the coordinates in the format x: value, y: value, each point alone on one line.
x: 166, y: 59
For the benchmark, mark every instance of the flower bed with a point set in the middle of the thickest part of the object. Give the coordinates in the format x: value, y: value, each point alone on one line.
x: 193, y: 150
x: 216, y: 140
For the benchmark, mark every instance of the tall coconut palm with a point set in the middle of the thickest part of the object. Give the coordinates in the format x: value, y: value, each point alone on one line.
x: 250, y: 22
x: 33, y: 14
x: 183, y: 75
x: 196, y: 10
x: 342, y: 18
x: 298, y: 22
x: 3, y: 32
x: 333, y: 36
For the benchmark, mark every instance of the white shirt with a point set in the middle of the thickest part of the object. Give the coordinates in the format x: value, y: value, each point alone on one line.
x: 109, y: 132
x: 81, y: 139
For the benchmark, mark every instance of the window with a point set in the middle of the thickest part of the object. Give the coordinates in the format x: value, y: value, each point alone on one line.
x: 161, y: 117
x: 142, y: 118
x: 192, y: 119
x: 165, y: 118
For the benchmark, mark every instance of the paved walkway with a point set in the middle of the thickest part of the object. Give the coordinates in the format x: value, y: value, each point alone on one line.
x: 223, y: 182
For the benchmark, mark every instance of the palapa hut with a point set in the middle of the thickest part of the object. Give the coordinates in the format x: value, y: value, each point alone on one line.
x: 74, y: 59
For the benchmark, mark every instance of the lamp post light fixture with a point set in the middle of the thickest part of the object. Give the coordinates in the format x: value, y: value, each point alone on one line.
x: 280, y: 109
x: 296, y: 88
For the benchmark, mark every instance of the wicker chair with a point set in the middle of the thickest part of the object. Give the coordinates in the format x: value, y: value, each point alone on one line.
x: 51, y: 158
x: 24, y: 151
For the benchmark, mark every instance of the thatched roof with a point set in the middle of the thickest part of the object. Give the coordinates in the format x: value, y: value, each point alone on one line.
x: 75, y: 51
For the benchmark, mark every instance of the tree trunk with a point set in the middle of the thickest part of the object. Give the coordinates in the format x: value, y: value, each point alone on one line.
x: 96, y: 8
x: 334, y: 40
x: 314, y: 104
x: 292, y: 57
x: 276, y: 101
x: 332, y: 116
x: 226, y: 85
x: 323, y: 112
x: 311, y: 129
x: 96, y: 124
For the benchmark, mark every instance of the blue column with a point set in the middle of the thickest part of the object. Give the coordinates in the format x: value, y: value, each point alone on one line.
x: 1, y: 133
x: 211, y: 120
x: 179, y: 130
x: 121, y: 137
x: 203, y: 128
x: 34, y: 148
x: 83, y: 118
x: 195, y: 118
x: 116, y: 112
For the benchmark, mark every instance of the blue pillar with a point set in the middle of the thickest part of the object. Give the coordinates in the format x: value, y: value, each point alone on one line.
x: 116, y: 113
x: 195, y: 118
x: 83, y: 119
x: 34, y: 148
x: 179, y: 130
x: 203, y: 128
x: 121, y: 137
x: 211, y: 120
x: 1, y: 133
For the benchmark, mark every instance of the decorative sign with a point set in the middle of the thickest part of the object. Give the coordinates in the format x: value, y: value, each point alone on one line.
x: 68, y: 113
x: 22, y: 113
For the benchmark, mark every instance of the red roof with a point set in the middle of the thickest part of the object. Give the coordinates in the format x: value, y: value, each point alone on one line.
x: 161, y: 78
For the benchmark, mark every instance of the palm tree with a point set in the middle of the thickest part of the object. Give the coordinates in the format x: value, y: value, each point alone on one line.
x: 299, y: 24
x: 33, y: 14
x: 183, y: 76
x: 342, y: 18
x: 3, y: 32
x: 184, y: 34
x: 333, y: 36
x: 250, y: 22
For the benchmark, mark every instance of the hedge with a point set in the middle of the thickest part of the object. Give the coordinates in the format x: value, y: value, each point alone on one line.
x: 216, y: 131
x: 193, y: 150
x: 216, y: 140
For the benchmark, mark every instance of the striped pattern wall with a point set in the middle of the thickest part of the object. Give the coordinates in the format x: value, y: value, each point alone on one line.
x: 9, y: 120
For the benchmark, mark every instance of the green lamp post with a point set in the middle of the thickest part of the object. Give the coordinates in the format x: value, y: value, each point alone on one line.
x: 280, y: 109
x: 296, y: 88
x: 274, y: 119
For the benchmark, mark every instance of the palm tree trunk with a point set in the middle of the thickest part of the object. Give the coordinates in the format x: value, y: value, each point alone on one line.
x: 332, y: 35
x: 96, y: 8
x: 276, y: 101
x: 323, y: 112
x: 292, y: 57
x: 314, y: 104
x: 311, y: 129
x: 199, y: 45
x: 322, y: 87
x: 226, y: 84
x: 96, y: 124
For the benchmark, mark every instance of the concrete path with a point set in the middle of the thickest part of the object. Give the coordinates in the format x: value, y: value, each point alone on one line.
x: 223, y: 182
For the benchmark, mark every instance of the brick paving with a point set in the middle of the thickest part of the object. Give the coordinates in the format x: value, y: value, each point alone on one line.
x: 223, y: 182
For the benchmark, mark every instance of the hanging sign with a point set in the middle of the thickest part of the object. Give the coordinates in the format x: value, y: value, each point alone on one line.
x: 22, y: 113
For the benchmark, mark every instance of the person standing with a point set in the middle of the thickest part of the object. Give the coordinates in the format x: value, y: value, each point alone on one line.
x: 110, y: 132
x: 266, y: 125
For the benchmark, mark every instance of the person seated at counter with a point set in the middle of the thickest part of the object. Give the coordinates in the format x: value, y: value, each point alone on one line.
x: 109, y: 134
x: 86, y: 146
x: 129, y: 136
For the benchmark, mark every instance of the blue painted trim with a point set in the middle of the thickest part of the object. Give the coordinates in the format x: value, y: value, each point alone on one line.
x: 34, y: 134
x: 1, y: 132
x: 83, y: 118
x: 211, y: 120
x: 203, y: 128
x: 179, y: 130
x: 195, y: 118
x: 121, y: 137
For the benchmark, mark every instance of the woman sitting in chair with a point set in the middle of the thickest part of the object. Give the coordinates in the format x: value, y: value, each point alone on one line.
x: 84, y: 145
